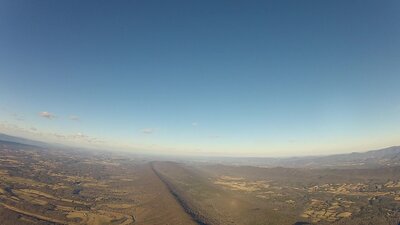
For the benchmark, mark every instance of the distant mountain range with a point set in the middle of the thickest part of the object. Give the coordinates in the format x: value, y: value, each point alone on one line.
x: 376, y: 158
x: 20, y: 140
x: 382, y: 157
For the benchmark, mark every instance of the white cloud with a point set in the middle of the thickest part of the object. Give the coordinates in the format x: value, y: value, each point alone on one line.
x: 148, y: 130
x: 47, y: 115
x: 194, y: 124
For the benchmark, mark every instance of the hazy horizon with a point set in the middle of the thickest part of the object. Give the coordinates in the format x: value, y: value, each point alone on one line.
x: 223, y: 78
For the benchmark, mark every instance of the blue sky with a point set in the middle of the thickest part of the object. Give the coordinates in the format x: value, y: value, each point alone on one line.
x: 267, y: 78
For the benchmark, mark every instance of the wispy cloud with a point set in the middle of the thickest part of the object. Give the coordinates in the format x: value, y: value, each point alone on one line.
x: 18, y: 130
x: 74, y: 118
x: 47, y: 115
x: 214, y: 136
x: 17, y: 117
x: 78, y: 137
x: 56, y: 137
x: 148, y: 130
x: 194, y: 124
x: 61, y: 136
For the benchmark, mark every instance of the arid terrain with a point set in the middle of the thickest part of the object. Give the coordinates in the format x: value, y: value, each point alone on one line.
x: 249, y: 195
x: 43, y: 185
